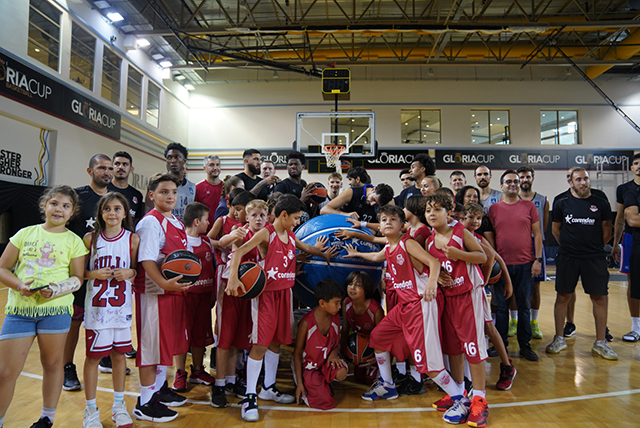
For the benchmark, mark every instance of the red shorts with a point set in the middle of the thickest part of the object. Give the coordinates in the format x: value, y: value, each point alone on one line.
x: 99, y: 343
x: 198, y: 319
x: 463, y: 327
x: 418, y: 324
x: 317, y: 384
x: 391, y: 298
x: 78, y: 313
x: 272, y: 316
x: 161, y: 328
x: 233, y: 320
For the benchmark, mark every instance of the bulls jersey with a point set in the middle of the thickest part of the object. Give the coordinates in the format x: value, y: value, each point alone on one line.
x: 108, y: 302
x: 318, y: 347
x: 280, y: 261
x: 405, y: 280
x: 465, y: 276
x: 222, y: 254
x: 203, y: 249
x: 361, y: 323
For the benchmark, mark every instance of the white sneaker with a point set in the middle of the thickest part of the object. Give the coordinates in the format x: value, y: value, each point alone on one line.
x: 120, y: 415
x: 274, y: 394
x: 91, y: 418
x: 457, y: 414
x: 249, y: 408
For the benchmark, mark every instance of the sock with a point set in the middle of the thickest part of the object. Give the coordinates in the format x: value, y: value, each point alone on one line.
x: 467, y: 369
x: 534, y: 314
x: 146, y: 392
x: 161, y: 377
x: 444, y: 381
x: 402, y: 367
x: 384, y: 365
x: 229, y: 379
x: 49, y: 413
x: 513, y: 314
x: 91, y: 404
x: 118, y: 397
x: 271, y: 360
x: 414, y: 373
x: 635, y: 324
x: 220, y: 383
x: 253, y: 372
x: 482, y: 393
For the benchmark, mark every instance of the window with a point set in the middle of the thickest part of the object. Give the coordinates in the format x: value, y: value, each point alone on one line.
x: 153, y: 104
x: 111, y: 76
x: 83, y: 49
x: 490, y: 127
x: 44, y: 33
x: 559, y: 127
x: 134, y: 92
x: 420, y: 126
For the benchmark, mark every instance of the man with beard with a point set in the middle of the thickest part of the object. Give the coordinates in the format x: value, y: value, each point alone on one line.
x: 209, y: 190
x: 252, y: 181
x: 296, y: 186
x: 488, y: 196
x: 514, y: 222
x: 457, y: 180
x: 101, y: 172
x: 122, y: 168
x: 527, y: 175
x: 582, y: 226
x: 421, y: 166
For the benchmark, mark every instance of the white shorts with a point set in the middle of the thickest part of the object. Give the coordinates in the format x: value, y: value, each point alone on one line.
x: 99, y: 343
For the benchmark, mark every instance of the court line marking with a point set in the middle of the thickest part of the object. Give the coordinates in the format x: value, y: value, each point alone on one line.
x: 399, y: 410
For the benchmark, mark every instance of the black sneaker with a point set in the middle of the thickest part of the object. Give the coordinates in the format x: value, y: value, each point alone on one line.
x: 71, y: 381
x: 170, y: 398
x: 569, y: 329
x: 154, y: 411
x: 410, y: 386
x: 105, y: 366
x: 44, y: 422
x: 492, y: 352
x: 132, y: 353
x: 608, y: 336
x: 218, y: 397
x: 398, y: 377
x: 468, y: 386
x: 528, y: 354
x: 236, y: 389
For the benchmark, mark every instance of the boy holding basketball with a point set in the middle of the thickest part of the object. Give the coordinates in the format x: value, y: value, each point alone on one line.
x: 160, y: 322
x: 315, y: 359
x: 271, y: 312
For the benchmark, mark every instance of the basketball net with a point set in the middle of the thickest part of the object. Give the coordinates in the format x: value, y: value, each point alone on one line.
x: 332, y: 154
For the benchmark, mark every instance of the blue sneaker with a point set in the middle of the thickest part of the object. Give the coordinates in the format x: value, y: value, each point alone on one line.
x: 457, y: 414
x: 380, y: 391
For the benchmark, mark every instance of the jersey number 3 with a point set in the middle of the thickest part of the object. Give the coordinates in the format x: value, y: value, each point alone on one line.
x: 118, y: 298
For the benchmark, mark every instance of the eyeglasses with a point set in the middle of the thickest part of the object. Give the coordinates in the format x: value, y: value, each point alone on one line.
x: 510, y: 182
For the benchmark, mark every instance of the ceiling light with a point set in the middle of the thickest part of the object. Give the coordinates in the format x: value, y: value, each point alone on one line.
x: 178, y: 77
x: 114, y: 17
x: 189, y: 87
x: 37, y: 50
x: 157, y: 56
x: 100, y: 4
x: 166, y: 63
x: 143, y: 43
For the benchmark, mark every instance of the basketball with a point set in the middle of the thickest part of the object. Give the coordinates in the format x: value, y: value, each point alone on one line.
x: 358, y: 350
x: 318, y: 193
x: 315, y: 268
x: 181, y: 262
x: 253, y: 278
x: 496, y: 273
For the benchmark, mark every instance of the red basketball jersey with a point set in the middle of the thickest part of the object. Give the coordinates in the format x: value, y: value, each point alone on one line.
x: 423, y: 230
x: 406, y: 281
x: 465, y: 275
x: 318, y: 347
x: 280, y: 261
x: 204, y: 252
x: 222, y: 254
x: 361, y: 323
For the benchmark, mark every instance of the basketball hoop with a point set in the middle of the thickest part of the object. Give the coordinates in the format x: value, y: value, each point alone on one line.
x: 332, y: 154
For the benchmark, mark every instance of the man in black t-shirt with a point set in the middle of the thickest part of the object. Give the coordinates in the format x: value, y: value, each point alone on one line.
x: 252, y: 181
x: 360, y: 203
x: 421, y: 166
x: 122, y: 168
x: 295, y: 185
x: 582, y: 225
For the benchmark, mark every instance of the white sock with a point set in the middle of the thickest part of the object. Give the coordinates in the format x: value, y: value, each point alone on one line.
x: 402, y: 367
x: 444, y: 381
x: 118, y: 397
x: 513, y: 314
x: 49, y: 413
x: 635, y: 324
x: 253, y: 372
x: 91, y: 404
x: 414, y: 373
x: 482, y: 393
x: 271, y: 360
x: 467, y: 369
x: 534, y: 314
x: 230, y: 379
x: 384, y: 365
x: 161, y: 377
x: 220, y: 383
x: 146, y: 392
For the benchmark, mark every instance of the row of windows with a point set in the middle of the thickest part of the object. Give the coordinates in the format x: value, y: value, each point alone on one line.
x: 489, y: 127
x: 44, y: 45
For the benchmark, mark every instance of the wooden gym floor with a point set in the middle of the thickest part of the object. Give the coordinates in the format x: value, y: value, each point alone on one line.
x: 573, y: 388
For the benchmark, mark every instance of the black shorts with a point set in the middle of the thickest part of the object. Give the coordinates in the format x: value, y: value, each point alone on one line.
x: 634, y: 275
x: 592, y: 272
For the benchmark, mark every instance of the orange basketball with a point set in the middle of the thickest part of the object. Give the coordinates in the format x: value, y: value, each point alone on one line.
x: 181, y: 262
x: 496, y: 273
x: 253, y: 278
x: 358, y: 350
x: 318, y: 193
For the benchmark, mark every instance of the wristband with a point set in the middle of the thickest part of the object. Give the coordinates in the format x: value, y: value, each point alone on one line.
x: 538, y: 259
x: 363, y: 224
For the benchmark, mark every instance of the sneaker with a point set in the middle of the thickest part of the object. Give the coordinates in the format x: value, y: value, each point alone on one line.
x: 410, y: 386
x: 154, y: 411
x: 607, y: 335
x: 272, y: 393
x: 457, y: 414
x: 43, y: 422
x: 535, y: 330
x: 478, y: 413
x: 513, y: 328
x: 71, y: 381
x: 507, y: 374
x: 492, y: 352
x: 569, y: 329
x: 120, y: 415
x: 91, y: 418
x: 558, y: 344
x: 105, y: 366
x: 180, y: 381
x: 381, y: 390
x: 132, y: 353
x: 604, y: 350
x: 528, y: 354
x: 201, y: 376
x: 249, y: 408
x: 236, y: 389
x: 632, y: 336
x: 468, y: 386
x: 218, y: 397
x: 170, y: 398
x: 445, y: 403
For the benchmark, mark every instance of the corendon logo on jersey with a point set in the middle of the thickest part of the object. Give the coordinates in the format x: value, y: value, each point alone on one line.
x: 586, y: 221
x: 274, y: 274
x: 106, y: 261
x: 400, y: 259
x: 404, y: 285
x: 458, y: 281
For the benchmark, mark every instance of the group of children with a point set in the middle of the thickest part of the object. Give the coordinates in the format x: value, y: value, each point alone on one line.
x: 434, y: 289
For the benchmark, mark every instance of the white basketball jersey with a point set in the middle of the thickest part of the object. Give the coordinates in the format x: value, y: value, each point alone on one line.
x: 108, y: 303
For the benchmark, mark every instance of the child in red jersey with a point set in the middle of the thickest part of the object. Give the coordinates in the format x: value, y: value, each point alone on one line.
x: 414, y: 213
x: 272, y: 312
x: 315, y: 359
x: 199, y: 299
x: 459, y: 253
